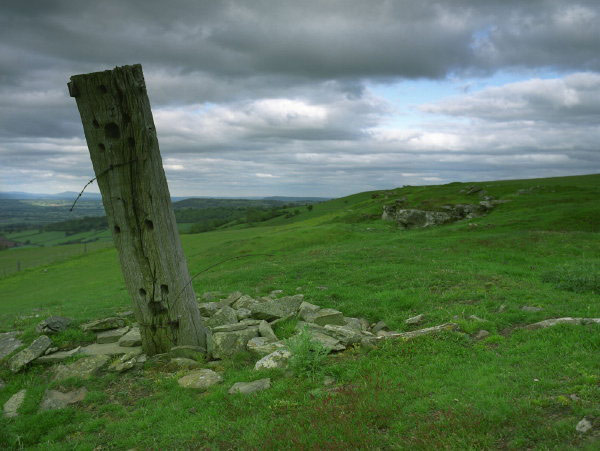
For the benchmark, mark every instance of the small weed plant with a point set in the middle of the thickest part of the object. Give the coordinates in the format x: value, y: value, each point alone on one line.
x: 308, y: 355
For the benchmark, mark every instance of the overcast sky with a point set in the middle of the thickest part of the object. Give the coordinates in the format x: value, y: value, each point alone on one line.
x: 319, y: 98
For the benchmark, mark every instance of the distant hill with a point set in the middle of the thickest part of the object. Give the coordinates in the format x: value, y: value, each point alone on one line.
x: 66, y: 195
x: 297, y: 199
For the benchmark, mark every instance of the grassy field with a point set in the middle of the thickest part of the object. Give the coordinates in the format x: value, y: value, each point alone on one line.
x: 515, y: 389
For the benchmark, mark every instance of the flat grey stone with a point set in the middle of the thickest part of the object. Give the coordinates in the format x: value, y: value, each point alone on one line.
x: 9, y: 343
x: 58, y: 356
x: 11, y: 406
x: 230, y: 327
x: 105, y: 349
x: 263, y: 346
x: 53, y: 325
x: 131, y: 338
x: 264, y: 330
x: 32, y: 352
x: 111, y: 336
x: 200, y: 379
x: 103, y: 324
x: 226, y: 344
x: 415, y: 320
x: 246, y: 388
x: 83, y: 368
x: 277, y: 308
x: 326, y: 316
x: 277, y: 359
x: 344, y: 334
x: 54, y: 399
x: 319, y: 334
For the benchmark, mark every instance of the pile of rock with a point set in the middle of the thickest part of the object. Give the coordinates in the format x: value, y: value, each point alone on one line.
x: 240, y: 322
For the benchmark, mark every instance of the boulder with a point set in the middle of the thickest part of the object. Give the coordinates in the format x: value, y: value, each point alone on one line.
x: 345, y: 335
x: 246, y: 388
x: 131, y: 338
x: 277, y: 308
x: 9, y: 343
x: 263, y: 346
x: 243, y: 313
x: 54, y: 399
x: 264, y: 330
x: 208, y: 309
x: 307, y: 308
x: 32, y: 352
x: 200, y: 379
x: 326, y: 316
x: 226, y: 344
x: 358, y: 324
x: 11, y: 406
x: 111, y: 336
x: 244, y: 302
x: 53, y: 325
x: 277, y: 359
x: 103, y: 324
x: 225, y: 315
x: 83, y: 368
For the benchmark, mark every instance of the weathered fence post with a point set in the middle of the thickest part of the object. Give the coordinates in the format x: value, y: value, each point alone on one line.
x: 120, y: 134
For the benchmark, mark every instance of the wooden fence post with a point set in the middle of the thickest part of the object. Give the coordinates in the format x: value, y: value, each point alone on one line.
x: 121, y: 138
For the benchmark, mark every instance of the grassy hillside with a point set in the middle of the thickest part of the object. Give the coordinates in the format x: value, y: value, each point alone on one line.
x: 514, y: 389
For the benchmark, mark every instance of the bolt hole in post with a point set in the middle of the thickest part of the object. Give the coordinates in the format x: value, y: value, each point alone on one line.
x: 102, y: 89
x: 149, y: 224
x: 117, y: 229
x: 131, y: 143
x: 164, y: 290
x: 142, y: 292
x: 111, y: 130
x: 95, y: 123
x: 102, y: 147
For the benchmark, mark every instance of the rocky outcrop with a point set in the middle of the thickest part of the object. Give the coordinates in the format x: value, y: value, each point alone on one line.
x: 413, y: 218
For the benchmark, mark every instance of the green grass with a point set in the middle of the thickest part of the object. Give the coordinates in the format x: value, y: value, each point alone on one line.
x: 511, y: 390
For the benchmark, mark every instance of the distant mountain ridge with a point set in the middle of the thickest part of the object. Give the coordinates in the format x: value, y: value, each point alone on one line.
x: 71, y: 195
